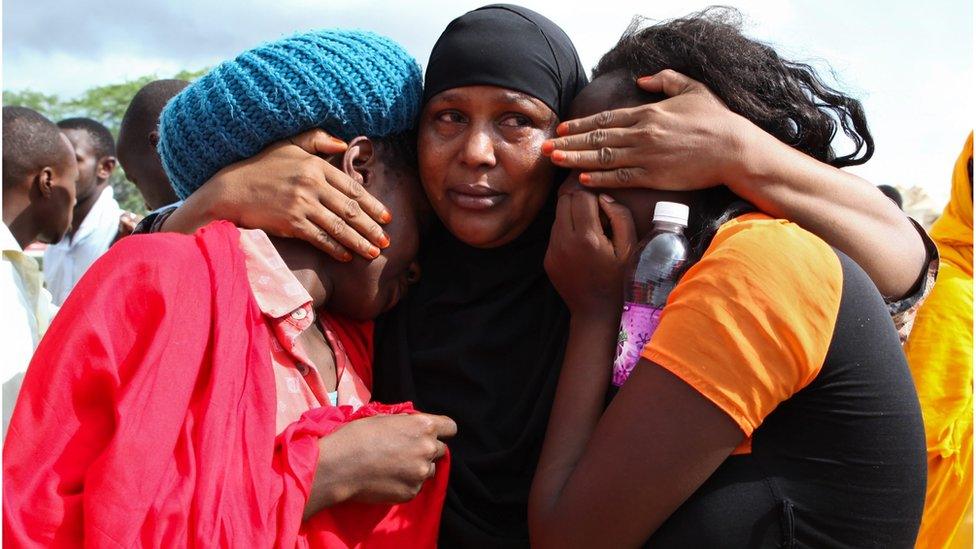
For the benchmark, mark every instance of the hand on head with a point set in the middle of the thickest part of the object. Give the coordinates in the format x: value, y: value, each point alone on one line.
x: 688, y: 141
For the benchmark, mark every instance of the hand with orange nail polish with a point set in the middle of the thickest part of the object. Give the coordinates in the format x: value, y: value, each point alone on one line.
x: 689, y: 140
x: 291, y: 190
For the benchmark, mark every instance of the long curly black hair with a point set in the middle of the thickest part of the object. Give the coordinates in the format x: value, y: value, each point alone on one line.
x: 787, y: 99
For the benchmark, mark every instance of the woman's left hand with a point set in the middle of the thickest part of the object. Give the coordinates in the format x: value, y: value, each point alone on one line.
x: 584, y: 264
x: 689, y: 141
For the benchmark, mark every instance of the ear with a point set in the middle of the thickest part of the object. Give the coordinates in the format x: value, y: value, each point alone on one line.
x: 45, y: 181
x: 359, y: 160
x: 106, y: 165
x: 153, y: 138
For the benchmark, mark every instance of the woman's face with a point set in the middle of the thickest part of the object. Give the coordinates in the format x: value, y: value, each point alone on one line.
x: 480, y: 161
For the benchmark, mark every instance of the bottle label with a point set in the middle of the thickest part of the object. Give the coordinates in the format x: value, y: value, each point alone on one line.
x: 637, y: 324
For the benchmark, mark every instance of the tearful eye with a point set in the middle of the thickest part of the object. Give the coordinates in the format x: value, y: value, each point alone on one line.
x: 451, y: 117
x: 516, y: 121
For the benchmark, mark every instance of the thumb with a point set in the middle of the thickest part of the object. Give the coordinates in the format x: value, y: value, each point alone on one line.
x: 317, y: 141
x: 668, y: 82
x: 621, y: 223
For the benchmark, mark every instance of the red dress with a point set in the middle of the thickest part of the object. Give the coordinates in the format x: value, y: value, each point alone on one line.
x: 147, y: 417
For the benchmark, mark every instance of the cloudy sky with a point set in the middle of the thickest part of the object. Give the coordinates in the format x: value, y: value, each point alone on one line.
x: 909, y: 61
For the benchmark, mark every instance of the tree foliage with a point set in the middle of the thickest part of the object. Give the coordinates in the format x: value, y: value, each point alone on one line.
x: 105, y: 104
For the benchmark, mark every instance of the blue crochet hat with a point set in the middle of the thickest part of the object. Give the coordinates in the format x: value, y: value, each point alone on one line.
x: 348, y: 83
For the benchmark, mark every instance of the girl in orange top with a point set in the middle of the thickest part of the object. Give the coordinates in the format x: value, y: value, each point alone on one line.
x: 773, y: 405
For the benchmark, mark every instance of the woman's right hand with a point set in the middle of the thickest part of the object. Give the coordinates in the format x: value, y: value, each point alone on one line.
x: 289, y: 190
x: 379, y: 459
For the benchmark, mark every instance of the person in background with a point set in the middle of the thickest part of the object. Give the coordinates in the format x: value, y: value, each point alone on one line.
x: 138, y: 137
x: 98, y: 220
x: 214, y: 389
x: 39, y: 173
x: 940, y: 355
x: 894, y: 194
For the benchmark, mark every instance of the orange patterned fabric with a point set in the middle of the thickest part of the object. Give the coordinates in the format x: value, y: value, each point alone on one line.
x: 750, y: 324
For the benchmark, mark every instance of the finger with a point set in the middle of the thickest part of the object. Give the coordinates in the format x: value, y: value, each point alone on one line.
x: 316, y: 236
x: 586, y: 212
x: 336, y: 228
x: 317, y: 141
x: 349, y: 210
x: 348, y: 186
x: 621, y: 223
x: 619, y: 118
x: 591, y: 140
x: 619, y: 178
x: 564, y: 214
x: 439, y: 453
x: 444, y: 427
x: 603, y: 159
x: 669, y: 82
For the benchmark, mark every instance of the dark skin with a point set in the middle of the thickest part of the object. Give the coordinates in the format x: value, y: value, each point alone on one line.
x: 93, y: 173
x: 39, y: 205
x: 381, y: 458
x: 478, y: 161
x: 634, y: 459
x: 139, y: 159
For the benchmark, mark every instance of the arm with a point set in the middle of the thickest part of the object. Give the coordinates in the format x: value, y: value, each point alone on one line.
x: 691, y: 140
x: 635, y: 461
x: 844, y: 210
x: 290, y: 191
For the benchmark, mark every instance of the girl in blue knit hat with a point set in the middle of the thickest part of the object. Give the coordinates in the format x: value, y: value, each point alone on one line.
x: 213, y: 390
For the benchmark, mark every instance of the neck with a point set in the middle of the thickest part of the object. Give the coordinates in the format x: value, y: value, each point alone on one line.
x: 84, y: 206
x: 309, y: 266
x: 17, y: 218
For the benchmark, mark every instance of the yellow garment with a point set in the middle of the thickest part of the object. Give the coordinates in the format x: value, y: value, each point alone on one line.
x: 940, y: 354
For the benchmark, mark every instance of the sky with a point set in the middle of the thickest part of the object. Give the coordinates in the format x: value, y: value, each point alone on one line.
x: 911, y: 63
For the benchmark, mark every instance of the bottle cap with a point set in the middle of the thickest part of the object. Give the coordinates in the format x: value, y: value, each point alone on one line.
x: 672, y: 212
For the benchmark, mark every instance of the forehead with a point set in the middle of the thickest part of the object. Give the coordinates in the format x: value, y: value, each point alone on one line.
x: 487, y: 95
x: 79, y: 139
x: 614, y: 90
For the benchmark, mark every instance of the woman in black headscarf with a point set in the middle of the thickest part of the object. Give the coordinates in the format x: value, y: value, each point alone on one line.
x: 484, y: 330
x: 482, y: 336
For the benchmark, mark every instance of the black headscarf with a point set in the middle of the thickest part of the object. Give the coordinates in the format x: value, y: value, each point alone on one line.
x: 481, y: 337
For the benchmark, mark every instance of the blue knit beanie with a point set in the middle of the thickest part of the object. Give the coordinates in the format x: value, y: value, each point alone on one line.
x: 348, y: 83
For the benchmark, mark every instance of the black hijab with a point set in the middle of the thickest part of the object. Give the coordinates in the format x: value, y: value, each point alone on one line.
x: 481, y: 337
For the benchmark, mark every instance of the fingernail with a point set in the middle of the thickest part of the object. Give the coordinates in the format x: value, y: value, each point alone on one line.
x: 346, y: 257
x: 644, y: 79
x: 607, y: 198
x: 585, y: 178
x: 337, y: 141
x: 562, y: 129
x: 558, y: 156
x: 548, y: 147
x: 386, y: 217
x: 385, y: 241
x: 374, y: 252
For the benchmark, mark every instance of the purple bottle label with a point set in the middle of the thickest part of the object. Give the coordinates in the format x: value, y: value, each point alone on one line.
x: 637, y: 324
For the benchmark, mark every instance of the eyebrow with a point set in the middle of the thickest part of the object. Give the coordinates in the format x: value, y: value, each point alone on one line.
x: 510, y: 97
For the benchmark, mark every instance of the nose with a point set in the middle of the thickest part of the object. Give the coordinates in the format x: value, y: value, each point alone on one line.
x: 413, y: 273
x: 479, y: 150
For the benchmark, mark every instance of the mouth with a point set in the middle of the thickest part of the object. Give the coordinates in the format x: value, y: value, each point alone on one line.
x: 475, y: 197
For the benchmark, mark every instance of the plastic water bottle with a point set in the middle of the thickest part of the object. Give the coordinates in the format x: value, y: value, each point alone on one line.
x: 655, y: 266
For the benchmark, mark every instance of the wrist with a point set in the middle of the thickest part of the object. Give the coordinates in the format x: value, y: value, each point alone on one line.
x: 752, y: 155
x: 606, y: 314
